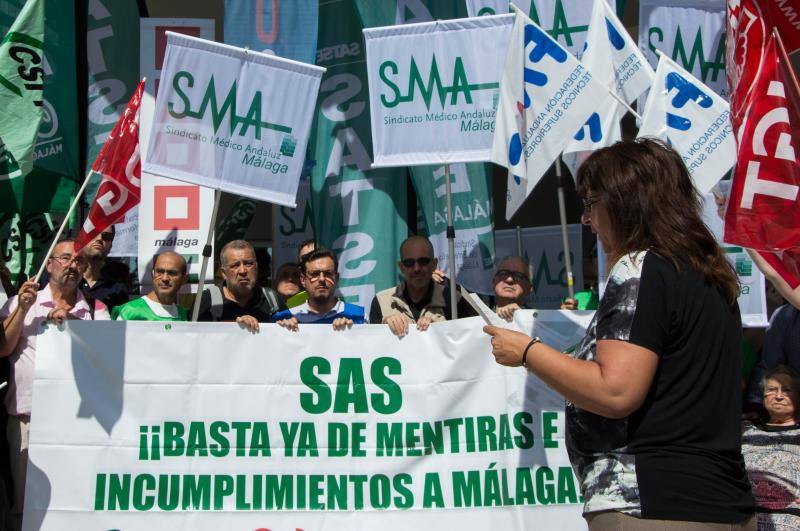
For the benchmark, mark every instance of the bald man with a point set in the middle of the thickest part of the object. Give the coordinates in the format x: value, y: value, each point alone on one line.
x: 169, y: 275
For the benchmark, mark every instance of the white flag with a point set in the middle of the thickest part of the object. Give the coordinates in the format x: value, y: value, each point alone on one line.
x: 545, y: 96
x: 232, y: 119
x: 618, y: 64
x: 694, y: 120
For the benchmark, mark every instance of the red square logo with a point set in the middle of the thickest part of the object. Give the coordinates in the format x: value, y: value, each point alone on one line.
x: 177, y: 207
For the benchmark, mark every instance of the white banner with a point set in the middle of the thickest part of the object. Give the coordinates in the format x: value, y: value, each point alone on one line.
x: 232, y: 119
x: 544, y: 249
x: 172, y: 215
x: 691, y: 32
x: 433, y: 89
x: 545, y: 97
x: 143, y: 426
x: 567, y: 21
x: 694, y: 120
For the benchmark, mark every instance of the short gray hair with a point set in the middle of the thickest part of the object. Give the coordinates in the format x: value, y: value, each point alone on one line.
x: 524, y: 261
x: 238, y: 245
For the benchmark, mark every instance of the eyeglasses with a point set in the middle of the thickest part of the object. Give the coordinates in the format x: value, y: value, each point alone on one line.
x: 107, y: 236
x: 588, y: 202
x: 66, y: 259
x: 161, y: 272
x: 247, y: 264
x: 518, y: 277
x: 422, y: 261
x: 323, y: 273
x: 785, y: 391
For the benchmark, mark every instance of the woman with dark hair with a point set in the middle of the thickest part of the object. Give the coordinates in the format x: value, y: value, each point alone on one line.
x: 653, y: 406
x: 771, y: 451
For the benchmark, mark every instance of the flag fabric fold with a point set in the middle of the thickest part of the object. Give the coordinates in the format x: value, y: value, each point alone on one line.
x: 545, y: 96
x: 763, y: 211
x: 21, y: 89
x: 694, y: 120
x: 119, y: 164
x: 616, y: 63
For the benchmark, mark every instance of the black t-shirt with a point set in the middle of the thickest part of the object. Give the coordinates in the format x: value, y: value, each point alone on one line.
x: 678, y: 457
x: 258, y: 306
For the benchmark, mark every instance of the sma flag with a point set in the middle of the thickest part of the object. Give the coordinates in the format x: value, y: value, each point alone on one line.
x: 763, y: 212
x: 120, y: 166
x: 545, y: 96
x: 694, y: 120
x: 21, y: 89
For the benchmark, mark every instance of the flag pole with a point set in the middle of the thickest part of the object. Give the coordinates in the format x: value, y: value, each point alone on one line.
x: 206, y: 256
x: 451, y: 242
x: 64, y: 224
x: 562, y: 212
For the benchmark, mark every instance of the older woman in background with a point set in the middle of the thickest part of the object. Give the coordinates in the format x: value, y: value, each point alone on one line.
x: 772, y: 452
x: 653, y: 399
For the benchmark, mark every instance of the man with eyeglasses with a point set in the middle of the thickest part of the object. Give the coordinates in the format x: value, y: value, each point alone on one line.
x: 239, y: 298
x: 512, y: 285
x: 318, y: 274
x: 418, y: 299
x: 169, y: 275
x: 97, y: 280
x: 23, y: 318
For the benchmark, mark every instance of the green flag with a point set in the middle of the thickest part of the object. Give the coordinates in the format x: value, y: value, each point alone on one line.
x: 24, y: 242
x: 51, y: 184
x: 358, y: 212
x: 22, y: 88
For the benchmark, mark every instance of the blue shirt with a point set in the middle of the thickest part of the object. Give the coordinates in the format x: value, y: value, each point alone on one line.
x: 303, y: 314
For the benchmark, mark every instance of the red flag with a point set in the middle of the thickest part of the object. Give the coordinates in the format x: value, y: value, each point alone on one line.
x: 763, y: 211
x: 749, y: 26
x: 119, y: 164
x: 786, y: 264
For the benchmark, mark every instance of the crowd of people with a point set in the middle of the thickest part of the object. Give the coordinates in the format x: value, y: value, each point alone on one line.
x: 653, y: 390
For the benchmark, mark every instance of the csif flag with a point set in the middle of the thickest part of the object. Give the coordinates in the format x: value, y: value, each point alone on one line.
x: 545, y: 96
x: 21, y: 89
x: 694, y: 120
x: 119, y: 164
x: 763, y: 211
x: 617, y: 63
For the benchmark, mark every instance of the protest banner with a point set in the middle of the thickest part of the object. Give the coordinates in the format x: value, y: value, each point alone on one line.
x: 172, y: 215
x: 231, y: 119
x: 544, y: 249
x: 342, y: 430
x: 545, y: 97
x: 43, y: 67
x: 691, y: 33
x: 433, y: 89
x: 358, y: 212
x: 694, y: 120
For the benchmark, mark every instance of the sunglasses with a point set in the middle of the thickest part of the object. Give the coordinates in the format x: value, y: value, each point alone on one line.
x: 107, y: 236
x: 516, y: 275
x: 423, y: 261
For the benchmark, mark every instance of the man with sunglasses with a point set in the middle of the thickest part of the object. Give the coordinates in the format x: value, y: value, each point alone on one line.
x: 512, y: 285
x: 169, y: 275
x: 23, y: 317
x: 418, y: 299
x: 97, y: 280
x: 318, y: 274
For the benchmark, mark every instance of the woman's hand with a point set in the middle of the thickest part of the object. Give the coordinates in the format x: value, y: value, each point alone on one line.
x: 507, y: 345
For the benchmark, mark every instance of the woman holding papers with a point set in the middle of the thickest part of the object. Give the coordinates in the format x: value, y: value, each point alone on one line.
x: 652, y: 390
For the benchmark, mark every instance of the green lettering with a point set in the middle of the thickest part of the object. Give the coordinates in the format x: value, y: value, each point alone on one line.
x: 320, y: 400
x: 350, y: 372
x: 392, y: 399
